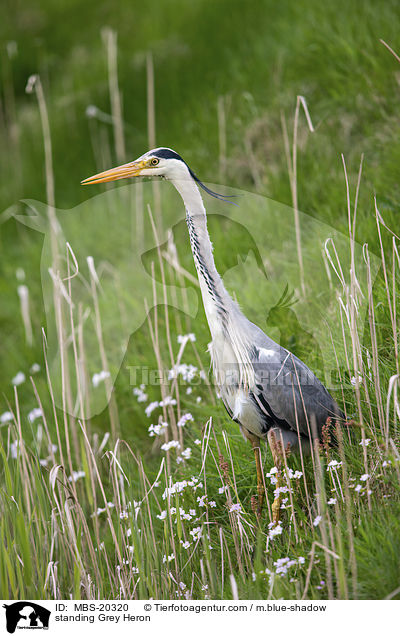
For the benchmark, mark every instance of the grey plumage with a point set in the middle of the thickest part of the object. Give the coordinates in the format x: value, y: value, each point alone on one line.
x: 282, y: 392
x: 264, y: 387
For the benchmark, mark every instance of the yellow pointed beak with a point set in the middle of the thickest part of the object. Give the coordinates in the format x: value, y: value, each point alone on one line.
x: 132, y: 169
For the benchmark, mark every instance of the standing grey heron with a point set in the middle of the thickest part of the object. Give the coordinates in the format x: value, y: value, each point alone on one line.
x: 267, y: 390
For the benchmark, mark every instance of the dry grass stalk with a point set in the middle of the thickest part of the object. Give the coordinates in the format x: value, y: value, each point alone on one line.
x: 35, y: 85
x: 112, y: 405
x: 110, y: 38
x: 151, y: 130
x: 291, y: 158
x: 23, y: 293
x: 222, y: 137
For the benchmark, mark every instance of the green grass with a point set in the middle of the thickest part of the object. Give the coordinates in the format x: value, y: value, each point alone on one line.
x: 257, y: 59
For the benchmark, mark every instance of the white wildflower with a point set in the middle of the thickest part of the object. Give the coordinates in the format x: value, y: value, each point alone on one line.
x: 172, y: 444
x: 99, y: 511
x: 14, y: 447
x: 184, y: 515
x: 140, y: 393
x: 196, y: 533
x: 236, y: 508
x: 333, y: 464
x: 157, y: 429
x: 169, y: 401
x: 187, y: 371
x: 76, y: 474
x: 5, y: 417
x: 150, y: 408
x: 183, y: 339
x: 34, y: 414
x: 99, y: 377
x: 136, y: 507
x: 282, y: 565
x: 163, y: 515
x: 91, y: 111
x: 284, y: 502
x: 295, y: 475
x: 280, y: 490
x: 274, y: 530
x: 188, y: 417
x: 20, y: 274
x: 187, y: 453
x: 365, y: 477
x: 18, y: 379
x: 175, y: 488
x: 332, y: 501
x: 317, y: 521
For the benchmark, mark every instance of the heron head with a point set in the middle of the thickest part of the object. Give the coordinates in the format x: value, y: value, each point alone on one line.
x: 160, y: 162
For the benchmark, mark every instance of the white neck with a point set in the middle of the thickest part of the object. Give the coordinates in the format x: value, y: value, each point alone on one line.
x: 227, y: 323
x: 215, y: 297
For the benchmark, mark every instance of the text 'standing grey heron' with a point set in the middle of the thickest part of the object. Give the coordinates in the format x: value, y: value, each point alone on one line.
x: 266, y: 389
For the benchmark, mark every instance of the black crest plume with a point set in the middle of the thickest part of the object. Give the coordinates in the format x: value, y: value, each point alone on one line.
x: 166, y: 153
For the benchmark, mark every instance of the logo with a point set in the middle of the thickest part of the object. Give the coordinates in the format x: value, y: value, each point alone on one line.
x: 26, y: 615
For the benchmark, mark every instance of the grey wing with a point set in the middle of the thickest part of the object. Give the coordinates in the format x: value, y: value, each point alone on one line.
x: 287, y: 391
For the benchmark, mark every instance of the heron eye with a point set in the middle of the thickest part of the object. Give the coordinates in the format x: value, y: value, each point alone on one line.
x: 154, y: 161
